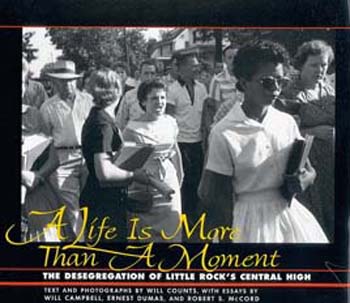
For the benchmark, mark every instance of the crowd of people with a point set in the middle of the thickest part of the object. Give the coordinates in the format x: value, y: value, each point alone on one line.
x: 228, y: 134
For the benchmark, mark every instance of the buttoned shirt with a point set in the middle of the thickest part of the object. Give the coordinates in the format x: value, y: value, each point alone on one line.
x: 64, y: 120
x: 129, y: 109
x: 188, y: 113
x: 254, y: 154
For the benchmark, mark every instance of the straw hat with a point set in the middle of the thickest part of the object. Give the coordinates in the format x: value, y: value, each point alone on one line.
x: 63, y: 70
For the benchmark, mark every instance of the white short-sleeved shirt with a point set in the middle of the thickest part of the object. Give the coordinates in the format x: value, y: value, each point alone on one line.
x: 65, y: 122
x: 254, y: 154
x: 130, y: 108
x: 188, y: 115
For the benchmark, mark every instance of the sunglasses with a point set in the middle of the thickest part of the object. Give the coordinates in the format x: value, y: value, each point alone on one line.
x: 270, y: 83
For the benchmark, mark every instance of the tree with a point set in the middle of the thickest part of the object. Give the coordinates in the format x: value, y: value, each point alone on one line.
x: 166, y: 34
x: 291, y: 39
x: 100, y: 47
x: 27, y: 47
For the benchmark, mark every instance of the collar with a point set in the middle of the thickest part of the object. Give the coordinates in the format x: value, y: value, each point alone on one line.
x: 238, y: 116
x: 183, y: 83
x: 72, y: 101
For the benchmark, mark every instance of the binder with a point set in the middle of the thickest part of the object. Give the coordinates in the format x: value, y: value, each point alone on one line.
x: 298, y: 155
x: 296, y: 161
x: 132, y: 155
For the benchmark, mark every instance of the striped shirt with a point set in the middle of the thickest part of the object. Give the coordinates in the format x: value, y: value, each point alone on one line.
x: 223, y: 87
x: 129, y: 108
x: 223, y: 110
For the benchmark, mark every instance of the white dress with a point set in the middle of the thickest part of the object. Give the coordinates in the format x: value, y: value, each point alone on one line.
x: 165, y: 213
x: 255, y: 155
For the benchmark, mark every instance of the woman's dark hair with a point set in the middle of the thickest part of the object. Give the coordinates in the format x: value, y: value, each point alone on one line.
x: 145, y: 88
x: 312, y: 48
x: 253, y: 54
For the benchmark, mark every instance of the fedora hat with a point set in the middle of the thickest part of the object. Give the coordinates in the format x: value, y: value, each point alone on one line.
x: 64, y: 70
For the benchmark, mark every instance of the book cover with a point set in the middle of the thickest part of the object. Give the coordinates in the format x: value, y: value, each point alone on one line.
x: 132, y: 156
x: 178, y: 272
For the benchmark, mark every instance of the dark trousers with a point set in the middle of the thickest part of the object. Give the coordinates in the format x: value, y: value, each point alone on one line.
x: 192, y: 158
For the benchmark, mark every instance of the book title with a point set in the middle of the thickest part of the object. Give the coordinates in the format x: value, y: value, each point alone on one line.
x: 87, y: 250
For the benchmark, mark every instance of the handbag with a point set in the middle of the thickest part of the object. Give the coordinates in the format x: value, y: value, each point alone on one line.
x: 139, y: 201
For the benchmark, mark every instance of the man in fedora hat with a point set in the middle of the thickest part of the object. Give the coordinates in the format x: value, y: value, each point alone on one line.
x: 64, y: 115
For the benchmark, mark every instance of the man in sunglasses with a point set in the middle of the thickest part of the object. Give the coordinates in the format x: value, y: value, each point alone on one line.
x: 248, y: 154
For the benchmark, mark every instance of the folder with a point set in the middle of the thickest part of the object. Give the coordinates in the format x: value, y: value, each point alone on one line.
x: 298, y: 155
x: 132, y: 156
x: 296, y: 161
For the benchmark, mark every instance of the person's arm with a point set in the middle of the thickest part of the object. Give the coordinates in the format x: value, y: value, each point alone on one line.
x: 50, y: 165
x: 290, y: 106
x: 216, y: 194
x: 216, y: 188
x: 107, y: 173
x: 122, y: 116
x: 32, y: 178
x: 323, y: 132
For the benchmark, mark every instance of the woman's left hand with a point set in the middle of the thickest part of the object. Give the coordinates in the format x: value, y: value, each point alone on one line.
x: 300, y: 181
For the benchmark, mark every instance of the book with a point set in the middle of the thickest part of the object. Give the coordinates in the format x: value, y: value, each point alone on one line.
x: 298, y: 155
x: 132, y: 156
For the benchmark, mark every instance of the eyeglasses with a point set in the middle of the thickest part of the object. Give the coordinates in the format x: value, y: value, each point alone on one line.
x: 270, y: 83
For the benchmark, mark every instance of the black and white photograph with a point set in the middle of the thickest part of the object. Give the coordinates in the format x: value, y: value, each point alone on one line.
x: 178, y: 135
x: 175, y: 152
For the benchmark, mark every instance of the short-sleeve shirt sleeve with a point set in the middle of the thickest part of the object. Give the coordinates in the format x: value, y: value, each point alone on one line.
x: 294, y: 129
x: 219, y: 157
x: 99, y: 136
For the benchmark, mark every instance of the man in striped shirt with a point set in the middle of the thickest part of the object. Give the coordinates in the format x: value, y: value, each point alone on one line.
x: 223, y: 85
x: 222, y: 92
